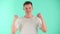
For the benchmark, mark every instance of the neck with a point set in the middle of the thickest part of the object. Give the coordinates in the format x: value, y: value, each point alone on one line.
x: 28, y: 15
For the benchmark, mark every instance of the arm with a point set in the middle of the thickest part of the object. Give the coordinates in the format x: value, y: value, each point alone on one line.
x: 14, y: 29
x: 43, y: 27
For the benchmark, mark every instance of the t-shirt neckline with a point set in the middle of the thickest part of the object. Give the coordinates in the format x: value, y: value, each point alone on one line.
x: 28, y: 18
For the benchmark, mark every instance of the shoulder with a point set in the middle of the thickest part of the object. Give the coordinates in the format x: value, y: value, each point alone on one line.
x: 19, y: 19
x: 36, y: 18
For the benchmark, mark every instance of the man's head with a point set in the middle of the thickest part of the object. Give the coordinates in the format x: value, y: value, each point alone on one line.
x: 27, y: 7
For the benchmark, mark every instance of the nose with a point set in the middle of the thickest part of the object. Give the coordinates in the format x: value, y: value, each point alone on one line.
x: 28, y: 9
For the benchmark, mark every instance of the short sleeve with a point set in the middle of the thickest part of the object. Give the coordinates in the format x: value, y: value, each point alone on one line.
x: 17, y: 23
x: 39, y: 22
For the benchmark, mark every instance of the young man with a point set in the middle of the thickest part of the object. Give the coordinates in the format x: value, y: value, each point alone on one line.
x: 28, y: 24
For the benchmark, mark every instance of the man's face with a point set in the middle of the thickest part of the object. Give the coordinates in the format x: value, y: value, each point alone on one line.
x: 28, y: 8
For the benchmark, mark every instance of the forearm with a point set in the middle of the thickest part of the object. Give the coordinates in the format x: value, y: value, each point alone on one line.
x: 13, y: 32
x: 44, y: 26
x: 44, y: 29
x: 13, y: 27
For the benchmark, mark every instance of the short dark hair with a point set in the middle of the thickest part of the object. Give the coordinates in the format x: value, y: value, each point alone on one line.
x: 27, y: 2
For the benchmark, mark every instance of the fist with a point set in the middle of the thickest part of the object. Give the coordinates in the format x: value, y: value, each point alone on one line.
x: 15, y: 17
x: 39, y: 15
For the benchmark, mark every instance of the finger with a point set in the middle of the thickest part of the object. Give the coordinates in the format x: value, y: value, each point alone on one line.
x: 16, y: 16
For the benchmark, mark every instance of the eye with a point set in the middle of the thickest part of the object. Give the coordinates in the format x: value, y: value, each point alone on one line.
x: 29, y: 7
x: 25, y: 8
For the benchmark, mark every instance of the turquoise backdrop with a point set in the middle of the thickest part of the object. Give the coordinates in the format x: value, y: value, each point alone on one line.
x: 50, y: 10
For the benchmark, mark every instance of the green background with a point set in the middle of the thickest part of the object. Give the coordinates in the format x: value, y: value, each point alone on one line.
x: 49, y: 9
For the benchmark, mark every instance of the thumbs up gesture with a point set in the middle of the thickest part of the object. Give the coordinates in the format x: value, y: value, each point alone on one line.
x: 39, y: 15
x: 15, y: 17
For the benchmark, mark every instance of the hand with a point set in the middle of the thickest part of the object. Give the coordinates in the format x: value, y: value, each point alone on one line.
x: 15, y: 17
x: 43, y: 27
x: 39, y: 15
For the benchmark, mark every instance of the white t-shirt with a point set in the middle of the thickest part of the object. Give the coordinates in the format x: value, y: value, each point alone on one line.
x: 28, y: 25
